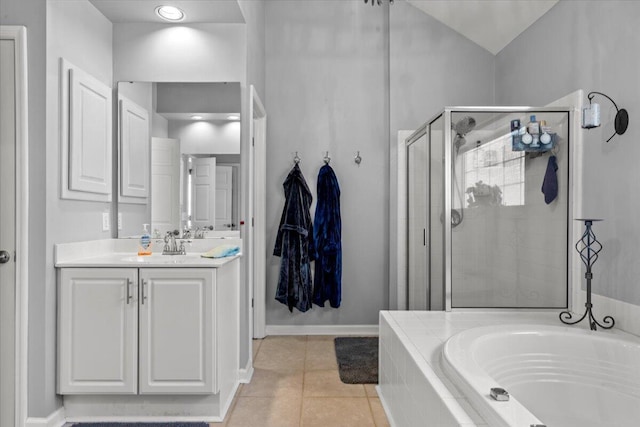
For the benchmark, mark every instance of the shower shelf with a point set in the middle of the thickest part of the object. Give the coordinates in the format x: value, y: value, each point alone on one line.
x: 518, y: 145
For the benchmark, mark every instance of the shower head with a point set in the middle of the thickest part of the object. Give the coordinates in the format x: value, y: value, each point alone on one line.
x: 464, y: 125
x: 461, y: 128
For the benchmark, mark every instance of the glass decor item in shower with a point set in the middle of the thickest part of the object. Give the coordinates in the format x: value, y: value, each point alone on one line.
x: 588, y: 247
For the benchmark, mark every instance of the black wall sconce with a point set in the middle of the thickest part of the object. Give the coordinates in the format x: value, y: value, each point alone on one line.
x: 591, y: 116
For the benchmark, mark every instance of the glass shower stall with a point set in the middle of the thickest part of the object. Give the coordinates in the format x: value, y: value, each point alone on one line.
x: 488, y: 209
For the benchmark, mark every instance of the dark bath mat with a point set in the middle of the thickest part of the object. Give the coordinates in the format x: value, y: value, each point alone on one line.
x: 357, y: 359
x: 140, y: 425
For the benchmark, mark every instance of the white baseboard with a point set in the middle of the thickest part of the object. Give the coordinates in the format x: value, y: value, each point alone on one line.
x: 145, y: 419
x: 246, y: 373
x: 55, y: 419
x: 367, y: 330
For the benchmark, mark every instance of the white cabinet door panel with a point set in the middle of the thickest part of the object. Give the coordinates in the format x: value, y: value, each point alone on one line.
x: 134, y: 151
x: 177, y: 331
x: 97, y: 338
x: 90, y: 113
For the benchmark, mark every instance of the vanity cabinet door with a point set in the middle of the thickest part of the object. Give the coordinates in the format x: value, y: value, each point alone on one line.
x: 97, y: 331
x: 177, y: 331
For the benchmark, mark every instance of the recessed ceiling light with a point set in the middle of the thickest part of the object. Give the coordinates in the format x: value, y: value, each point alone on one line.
x: 233, y: 117
x: 170, y: 13
x: 196, y: 117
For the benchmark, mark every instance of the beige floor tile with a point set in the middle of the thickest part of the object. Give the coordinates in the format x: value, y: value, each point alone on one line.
x: 281, y: 353
x: 266, y: 412
x: 271, y: 383
x: 336, y: 412
x: 379, y: 416
x: 312, y: 338
x: 326, y: 383
x: 371, y: 390
x: 321, y: 354
x: 256, y: 347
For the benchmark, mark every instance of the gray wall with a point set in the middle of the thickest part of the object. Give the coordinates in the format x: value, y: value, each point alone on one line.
x: 327, y: 86
x: 594, y: 46
x: 42, y: 399
x: 431, y: 66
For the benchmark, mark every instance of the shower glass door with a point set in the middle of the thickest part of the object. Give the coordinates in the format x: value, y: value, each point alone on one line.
x: 418, y: 191
x: 508, y: 245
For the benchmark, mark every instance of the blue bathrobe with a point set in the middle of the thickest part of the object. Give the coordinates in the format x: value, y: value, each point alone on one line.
x: 327, y: 233
x: 294, y: 244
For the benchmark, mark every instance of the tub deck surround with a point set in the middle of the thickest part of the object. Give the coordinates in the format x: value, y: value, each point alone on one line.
x: 413, y: 386
x: 124, y: 253
x: 556, y: 375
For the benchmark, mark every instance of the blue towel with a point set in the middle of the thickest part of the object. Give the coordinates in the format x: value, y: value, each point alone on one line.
x: 550, y: 183
x: 222, y: 251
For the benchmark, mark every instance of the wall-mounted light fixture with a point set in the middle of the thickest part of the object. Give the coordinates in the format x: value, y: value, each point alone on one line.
x: 591, y: 116
x: 233, y: 117
x: 170, y: 13
x: 196, y: 117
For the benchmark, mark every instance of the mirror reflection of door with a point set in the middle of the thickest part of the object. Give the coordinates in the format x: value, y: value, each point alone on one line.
x: 165, y: 185
x: 224, y: 198
x: 203, y: 192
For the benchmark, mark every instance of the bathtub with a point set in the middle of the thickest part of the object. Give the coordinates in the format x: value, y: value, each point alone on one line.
x: 556, y: 376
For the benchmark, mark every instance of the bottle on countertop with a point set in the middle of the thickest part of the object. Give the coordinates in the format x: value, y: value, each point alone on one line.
x: 145, y: 241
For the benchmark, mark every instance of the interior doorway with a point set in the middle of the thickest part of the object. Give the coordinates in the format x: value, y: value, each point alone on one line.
x: 13, y: 225
x: 258, y: 132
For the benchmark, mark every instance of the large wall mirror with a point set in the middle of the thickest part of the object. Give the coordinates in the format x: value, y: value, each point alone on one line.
x: 179, y: 158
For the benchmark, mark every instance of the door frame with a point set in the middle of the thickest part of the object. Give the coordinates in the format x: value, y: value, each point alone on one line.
x: 19, y: 35
x: 257, y: 261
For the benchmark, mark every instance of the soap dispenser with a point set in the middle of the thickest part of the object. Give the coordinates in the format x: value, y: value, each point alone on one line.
x: 145, y: 241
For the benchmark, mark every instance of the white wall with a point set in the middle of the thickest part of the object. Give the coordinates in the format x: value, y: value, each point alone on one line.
x: 431, y: 66
x: 327, y: 85
x: 593, y: 46
x: 179, y: 53
x: 206, y: 137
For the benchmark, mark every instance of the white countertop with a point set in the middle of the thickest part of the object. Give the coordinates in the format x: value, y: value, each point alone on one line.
x: 124, y: 259
x: 123, y: 253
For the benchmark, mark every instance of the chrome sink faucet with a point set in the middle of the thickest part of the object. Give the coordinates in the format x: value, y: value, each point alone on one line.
x: 170, y: 245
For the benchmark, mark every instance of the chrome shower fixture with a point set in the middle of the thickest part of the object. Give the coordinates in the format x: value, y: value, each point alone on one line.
x: 378, y: 2
x: 462, y: 127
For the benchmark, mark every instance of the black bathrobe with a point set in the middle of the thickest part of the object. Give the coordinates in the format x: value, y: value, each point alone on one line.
x: 294, y: 244
x: 327, y: 233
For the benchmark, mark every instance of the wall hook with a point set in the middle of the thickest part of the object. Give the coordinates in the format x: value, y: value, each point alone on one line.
x: 327, y: 159
x: 296, y: 159
x: 357, y: 158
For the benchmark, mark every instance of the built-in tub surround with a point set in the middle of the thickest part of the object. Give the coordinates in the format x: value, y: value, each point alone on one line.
x: 414, y: 386
x: 147, y: 338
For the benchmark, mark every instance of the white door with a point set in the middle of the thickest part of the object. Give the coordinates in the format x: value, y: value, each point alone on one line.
x: 165, y: 184
x: 203, y: 192
x: 7, y: 232
x: 98, y: 334
x: 224, y: 198
x: 177, y: 331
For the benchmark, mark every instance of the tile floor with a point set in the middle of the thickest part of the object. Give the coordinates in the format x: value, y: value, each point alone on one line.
x: 296, y: 384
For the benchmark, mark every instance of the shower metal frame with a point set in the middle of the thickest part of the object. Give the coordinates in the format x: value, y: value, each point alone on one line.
x: 448, y: 174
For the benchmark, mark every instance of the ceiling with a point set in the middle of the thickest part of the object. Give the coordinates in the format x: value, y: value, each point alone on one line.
x: 492, y: 24
x: 196, y: 11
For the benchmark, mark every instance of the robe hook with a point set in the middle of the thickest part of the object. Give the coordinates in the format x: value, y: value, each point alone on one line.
x: 296, y: 159
x: 357, y: 158
x: 327, y: 159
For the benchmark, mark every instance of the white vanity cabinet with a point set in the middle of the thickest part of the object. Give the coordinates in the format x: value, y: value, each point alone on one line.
x: 146, y: 330
x: 97, y: 330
